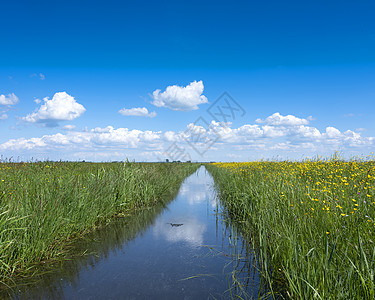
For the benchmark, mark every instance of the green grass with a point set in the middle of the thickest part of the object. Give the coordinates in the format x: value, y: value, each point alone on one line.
x: 46, y: 205
x: 312, y: 224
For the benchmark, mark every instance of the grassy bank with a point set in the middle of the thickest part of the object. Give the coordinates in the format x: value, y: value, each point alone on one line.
x: 97, y: 245
x: 312, y: 223
x: 45, y: 205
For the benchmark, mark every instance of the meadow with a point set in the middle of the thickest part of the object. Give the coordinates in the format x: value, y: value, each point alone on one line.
x: 311, y: 223
x: 44, y: 206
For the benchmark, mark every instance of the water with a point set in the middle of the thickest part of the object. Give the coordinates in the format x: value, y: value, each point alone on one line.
x: 185, y: 250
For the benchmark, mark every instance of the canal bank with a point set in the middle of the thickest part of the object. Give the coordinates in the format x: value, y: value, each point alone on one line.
x: 185, y: 250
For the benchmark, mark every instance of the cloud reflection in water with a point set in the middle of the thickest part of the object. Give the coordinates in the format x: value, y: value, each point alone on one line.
x: 194, y: 194
x: 191, y: 232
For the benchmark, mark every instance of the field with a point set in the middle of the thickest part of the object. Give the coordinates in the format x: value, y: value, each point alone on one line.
x: 312, y: 223
x: 46, y: 205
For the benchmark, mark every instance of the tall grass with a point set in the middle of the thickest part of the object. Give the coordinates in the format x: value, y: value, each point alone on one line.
x: 45, y: 205
x: 83, y: 253
x: 312, y: 224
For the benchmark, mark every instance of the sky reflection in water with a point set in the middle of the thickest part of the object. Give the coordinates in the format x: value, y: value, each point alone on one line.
x: 145, y: 257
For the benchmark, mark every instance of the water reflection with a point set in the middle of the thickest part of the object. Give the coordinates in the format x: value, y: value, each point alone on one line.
x: 98, y: 246
x: 192, y: 194
x: 183, y: 251
x: 191, y: 231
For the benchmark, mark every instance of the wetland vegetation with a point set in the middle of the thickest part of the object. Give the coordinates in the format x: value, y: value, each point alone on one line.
x: 181, y: 249
x: 46, y: 205
x: 311, y: 223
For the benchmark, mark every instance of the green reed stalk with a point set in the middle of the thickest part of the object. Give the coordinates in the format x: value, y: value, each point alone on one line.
x: 44, y: 205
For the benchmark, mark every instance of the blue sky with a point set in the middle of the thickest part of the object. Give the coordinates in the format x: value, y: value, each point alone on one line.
x: 110, y: 80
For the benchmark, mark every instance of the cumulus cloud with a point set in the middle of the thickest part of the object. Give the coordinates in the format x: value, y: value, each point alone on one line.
x: 90, y: 139
x: 3, y: 116
x: 180, y: 98
x: 289, y: 120
x: 248, y: 139
x: 332, y: 133
x: 10, y: 99
x: 302, y: 131
x: 62, y: 107
x: 137, y: 111
x: 279, y: 132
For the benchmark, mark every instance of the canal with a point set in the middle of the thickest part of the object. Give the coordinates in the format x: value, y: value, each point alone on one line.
x: 185, y: 249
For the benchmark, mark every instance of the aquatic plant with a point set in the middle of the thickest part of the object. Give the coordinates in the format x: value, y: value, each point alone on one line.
x: 45, y: 205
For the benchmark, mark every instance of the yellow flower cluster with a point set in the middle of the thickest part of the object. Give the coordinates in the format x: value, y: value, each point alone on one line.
x: 334, y: 186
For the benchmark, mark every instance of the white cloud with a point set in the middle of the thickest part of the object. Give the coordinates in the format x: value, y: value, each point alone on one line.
x: 137, y: 111
x: 273, y: 131
x: 289, y: 146
x: 11, y: 99
x: 69, y: 127
x: 360, y: 129
x: 249, y: 141
x: 92, y: 139
x: 170, y: 136
x: 282, y: 146
x: 180, y: 98
x: 3, y: 116
x: 62, y: 107
x: 305, y: 132
x: 332, y: 133
x: 289, y: 120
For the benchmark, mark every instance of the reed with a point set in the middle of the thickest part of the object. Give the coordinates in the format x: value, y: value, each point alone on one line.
x: 46, y: 205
